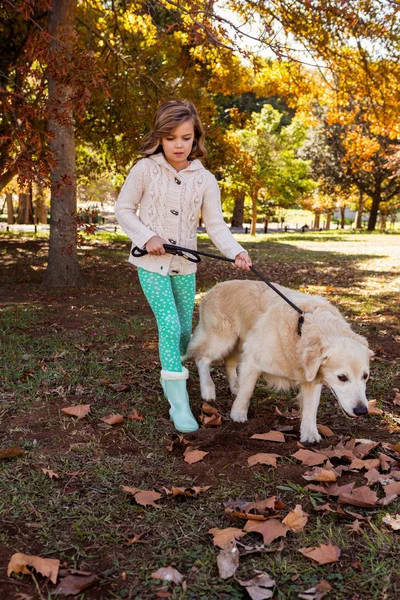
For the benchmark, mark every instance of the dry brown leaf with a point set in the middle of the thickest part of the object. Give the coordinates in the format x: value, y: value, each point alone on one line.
x: 135, y: 416
x: 143, y: 497
x: 362, y: 496
x: 396, y: 400
x: 112, y: 419
x: 270, y: 529
x: 316, y: 593
x: 51, y: 474
x: 193, y: 456
x: 48, y: 567
x: 309, y: 458
x: 120, y: 387
x: 80, y: 410
x: 373, y: 409
x: 319, y: 474
x: 270, y: 436
x: 392, y: 521
x: 392, y: 488
x: 385, y: 461
x: 223, y: 537
x: 168, y: 574
x: 372, y: 476
x: 355, y: 526
x: 322, y: 554
x: 296, y: 519
x: 332, y: 489
x: 243, y: 515
x: 191, y: 492
x: 325, y: 507
x: 228, y: 560
x: 209, y: 410
x: 325, y: 430
x: 269, y: 504
x: 260, y: 587
x: 11, y: 452
x: 178, y: 444
x: 211, y: 420
x: 263, y: 459
x: 71, y: 585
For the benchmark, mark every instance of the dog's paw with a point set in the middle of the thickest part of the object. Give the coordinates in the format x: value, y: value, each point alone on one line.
x: 239, y: 416
x: 208, y: 392
x: 234, y: 389
x: 310, y: 437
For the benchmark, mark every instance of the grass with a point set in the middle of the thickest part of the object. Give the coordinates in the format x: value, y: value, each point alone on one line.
x: 60, y: 349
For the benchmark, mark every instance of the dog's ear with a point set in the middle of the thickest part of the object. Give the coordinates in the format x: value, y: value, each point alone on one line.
x: 314, y: 356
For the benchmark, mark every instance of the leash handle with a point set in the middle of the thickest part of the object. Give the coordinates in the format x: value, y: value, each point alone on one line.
x: 171, y: 249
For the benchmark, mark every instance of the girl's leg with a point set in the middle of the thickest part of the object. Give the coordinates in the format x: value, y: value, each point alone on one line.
x: 158, y: 291
x: 184, y: 290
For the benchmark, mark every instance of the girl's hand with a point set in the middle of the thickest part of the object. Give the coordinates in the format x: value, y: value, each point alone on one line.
x: 243, y: 261
x: 155, y: 246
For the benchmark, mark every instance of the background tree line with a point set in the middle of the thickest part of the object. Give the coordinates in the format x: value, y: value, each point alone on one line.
x: 80, y: 82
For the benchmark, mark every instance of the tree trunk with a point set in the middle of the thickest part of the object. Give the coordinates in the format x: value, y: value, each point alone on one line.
x: 238, y: 211
x: 10, y: 209
x: 317, y: 215
x: 40, y: 204
x: 328, y: 219
x: 254, y: 196
x: 25, y: 209
x: 342, y: 212
x: 63, y: 267
x: 360, y: 211
x: 5, y: 179
x: 373, y: 215
x: 383, y: 219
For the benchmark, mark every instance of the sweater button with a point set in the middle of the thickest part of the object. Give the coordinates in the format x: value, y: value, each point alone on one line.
x: 178, y: 181
x: 175, y: 271
x: 174, y: 212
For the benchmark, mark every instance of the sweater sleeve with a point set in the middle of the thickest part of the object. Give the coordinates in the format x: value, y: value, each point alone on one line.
x: 214, y: 222
x: 127, y: 203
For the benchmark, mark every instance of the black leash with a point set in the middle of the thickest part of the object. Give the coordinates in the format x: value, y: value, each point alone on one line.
x: 195, y: 257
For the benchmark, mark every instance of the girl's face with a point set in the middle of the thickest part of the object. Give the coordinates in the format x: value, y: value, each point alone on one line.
x: 178, y: 145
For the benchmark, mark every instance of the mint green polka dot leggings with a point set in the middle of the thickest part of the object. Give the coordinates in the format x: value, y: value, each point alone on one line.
x: 171, y: 298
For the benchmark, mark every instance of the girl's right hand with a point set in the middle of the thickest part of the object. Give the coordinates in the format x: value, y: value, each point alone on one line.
x: 155, y: 246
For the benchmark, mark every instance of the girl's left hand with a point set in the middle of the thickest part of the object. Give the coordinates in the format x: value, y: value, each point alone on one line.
x: 243, y: 261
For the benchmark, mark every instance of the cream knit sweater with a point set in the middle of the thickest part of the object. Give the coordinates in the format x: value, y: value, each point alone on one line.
x: 169, y: 204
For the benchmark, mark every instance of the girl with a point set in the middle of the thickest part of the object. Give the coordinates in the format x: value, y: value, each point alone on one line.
x: 171, y: 186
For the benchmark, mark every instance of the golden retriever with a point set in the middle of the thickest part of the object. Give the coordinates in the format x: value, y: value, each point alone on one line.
x: 248, y: 325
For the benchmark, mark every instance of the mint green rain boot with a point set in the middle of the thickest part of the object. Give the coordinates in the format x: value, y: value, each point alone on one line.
x: 174, y: 386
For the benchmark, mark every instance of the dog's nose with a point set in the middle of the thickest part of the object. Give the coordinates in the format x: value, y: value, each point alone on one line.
x: 360, y: 409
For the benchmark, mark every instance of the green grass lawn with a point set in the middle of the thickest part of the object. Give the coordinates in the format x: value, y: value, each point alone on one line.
x: 66, y: 347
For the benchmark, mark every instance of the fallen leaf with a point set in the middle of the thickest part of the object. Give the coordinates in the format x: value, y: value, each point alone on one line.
x: 192, y: 455
x: 296, y: 519
x: 112, y: 419
x: 80, y: 410
x: 325, y: 430
x: 74, y: 584
x: 168, y: 574
x: 223, y: 537
x: 322, y: 554
x: 359, y: 463
x: 270, y: 504
x: 392, y: 488
x: 242, y: 515
x: 270, y: 436
x: 332, y: 489
x: 392, y: 521
x: 355, y: 526
x: 245, y: 549
x: 317, y: 592
x: 228, y: 560
x: 319, y: 474
x: 263, y: 459
x: 143, y: 497
x: 209, y: 410
x: 135, y: 416
x: 372, y: 476
x: 260, y: 587
x: 120, y: 387
x: 362, y: 496
x: 309, y: 458
x: 51, y: 474
x: 211, y: 420
x: 11, y: 452
x: 178, y: 444
x: 270, y: 529
x: 396, y: 400
x: 373, y: 409
x: 48, y: 567
x: 385, y: 461
x: 191, y: 492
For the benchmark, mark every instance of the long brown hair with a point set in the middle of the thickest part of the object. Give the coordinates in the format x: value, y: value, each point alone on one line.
x: 170, y: 115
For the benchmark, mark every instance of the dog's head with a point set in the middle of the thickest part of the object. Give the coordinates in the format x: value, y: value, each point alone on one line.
x: 342, y: 364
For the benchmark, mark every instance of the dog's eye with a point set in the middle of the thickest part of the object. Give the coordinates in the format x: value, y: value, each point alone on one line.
x: 365, y: 376
x: 342, y: 378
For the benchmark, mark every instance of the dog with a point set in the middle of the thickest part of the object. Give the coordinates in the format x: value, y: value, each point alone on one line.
x: 248, y: 326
